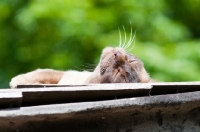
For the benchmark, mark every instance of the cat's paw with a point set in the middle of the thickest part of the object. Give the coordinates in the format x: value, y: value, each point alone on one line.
x: 18, y: 80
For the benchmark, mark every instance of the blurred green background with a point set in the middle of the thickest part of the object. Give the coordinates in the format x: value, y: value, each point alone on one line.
x: 66, y: 34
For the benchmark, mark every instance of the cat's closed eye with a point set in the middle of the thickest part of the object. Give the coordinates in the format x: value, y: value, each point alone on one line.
x: 130, y: 61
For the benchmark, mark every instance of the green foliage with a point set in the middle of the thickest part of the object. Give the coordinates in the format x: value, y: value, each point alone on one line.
x: 70, y: 34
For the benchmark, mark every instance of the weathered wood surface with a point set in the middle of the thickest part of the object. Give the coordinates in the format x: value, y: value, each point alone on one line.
x: 153, y: 84
x: 51, y: 95
x: 9, y: 99
x: 174, y: 87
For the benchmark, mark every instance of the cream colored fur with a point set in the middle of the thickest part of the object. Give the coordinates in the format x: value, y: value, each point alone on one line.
x: 74, y: 77
x: 49, y: 76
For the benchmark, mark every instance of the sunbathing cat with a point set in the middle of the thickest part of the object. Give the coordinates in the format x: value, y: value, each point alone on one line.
x: 116, y: 65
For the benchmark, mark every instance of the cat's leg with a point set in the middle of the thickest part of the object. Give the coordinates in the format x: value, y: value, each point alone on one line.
x: 39, y: 76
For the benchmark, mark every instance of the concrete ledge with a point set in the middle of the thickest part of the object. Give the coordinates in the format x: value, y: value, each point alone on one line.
x: 175, y: 112
x: 168, y: 107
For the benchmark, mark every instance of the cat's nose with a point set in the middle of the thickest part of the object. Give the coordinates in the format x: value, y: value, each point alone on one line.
x: 118, y: 59
x: 117, y: 54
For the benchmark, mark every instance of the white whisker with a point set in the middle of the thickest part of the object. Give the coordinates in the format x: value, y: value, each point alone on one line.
x: 92, y: 65
x: 124, y: 44
x: 120, y: 38
x: 88, y: 67
x: 78, y: 68
x: 130, y: 40
x: 133, y: 39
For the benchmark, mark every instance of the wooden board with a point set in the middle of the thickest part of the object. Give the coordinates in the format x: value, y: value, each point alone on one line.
x: 9, y: 99
x: 30, y: 95
x: 58, y: 94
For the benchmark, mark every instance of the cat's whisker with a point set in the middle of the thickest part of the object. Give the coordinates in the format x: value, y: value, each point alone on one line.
x: 134, y: 37
x: 120, y: 38
x: 124, y: 44
x: 130, y: 40
x: 88, y: 67
x: 92, y: 65
x: 78, y: 68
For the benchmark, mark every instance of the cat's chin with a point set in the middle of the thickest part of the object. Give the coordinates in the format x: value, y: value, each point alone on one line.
x: 111, y: 50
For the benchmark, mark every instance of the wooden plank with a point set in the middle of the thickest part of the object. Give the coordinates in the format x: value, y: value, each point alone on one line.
x: 51, y: 95
x: 174, y: 87
x: 10, y: 99
x: 48, y: 85
x: 158, y: 88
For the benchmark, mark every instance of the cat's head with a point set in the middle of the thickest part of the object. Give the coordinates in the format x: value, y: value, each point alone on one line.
x: 118, y: 66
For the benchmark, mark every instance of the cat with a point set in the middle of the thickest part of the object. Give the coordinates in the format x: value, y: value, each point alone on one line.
x: 116, y: 65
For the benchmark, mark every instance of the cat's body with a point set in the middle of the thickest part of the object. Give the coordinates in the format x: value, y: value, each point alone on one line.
x: 116, y: 65
x: 49, y: 76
